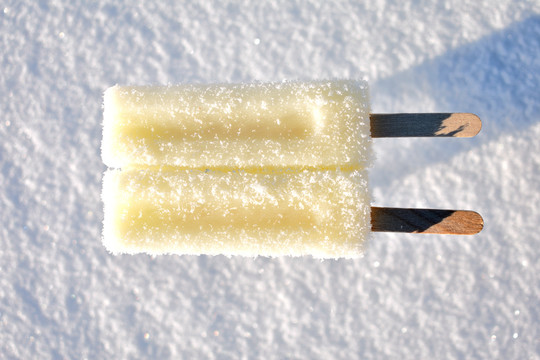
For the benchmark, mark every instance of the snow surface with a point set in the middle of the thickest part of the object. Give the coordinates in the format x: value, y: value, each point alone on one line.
x: 63, y: 296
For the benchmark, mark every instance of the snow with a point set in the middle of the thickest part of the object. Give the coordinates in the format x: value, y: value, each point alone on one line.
x: 63, y: 296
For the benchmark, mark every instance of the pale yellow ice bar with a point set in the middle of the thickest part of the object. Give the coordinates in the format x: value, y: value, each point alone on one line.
x: 285, y: 124
x: 325, y: 214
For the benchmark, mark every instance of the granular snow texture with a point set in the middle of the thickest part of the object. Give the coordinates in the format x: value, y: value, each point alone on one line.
x: 62, y: 295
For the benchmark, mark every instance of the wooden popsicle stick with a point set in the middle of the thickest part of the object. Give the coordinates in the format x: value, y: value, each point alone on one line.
x: 426, y: 221
x: 425, y: 125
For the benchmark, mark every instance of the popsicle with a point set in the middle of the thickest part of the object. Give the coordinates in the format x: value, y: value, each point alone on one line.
x: 256, y: 169
x: 324, y: 213
x: 320, y: 124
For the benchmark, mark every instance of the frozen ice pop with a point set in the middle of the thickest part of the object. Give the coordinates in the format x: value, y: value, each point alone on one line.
x: 324, y: 213
x: 256, y: 169
x: 321, y: 124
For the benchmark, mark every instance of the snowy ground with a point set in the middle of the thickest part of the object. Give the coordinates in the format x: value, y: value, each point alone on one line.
x: 63, y: 296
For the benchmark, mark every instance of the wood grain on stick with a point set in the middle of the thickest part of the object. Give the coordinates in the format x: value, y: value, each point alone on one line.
x: 425, y: 125
x: 426, y: 221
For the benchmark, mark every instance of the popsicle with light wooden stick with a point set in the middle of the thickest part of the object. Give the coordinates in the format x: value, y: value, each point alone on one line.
x: 256, y: 169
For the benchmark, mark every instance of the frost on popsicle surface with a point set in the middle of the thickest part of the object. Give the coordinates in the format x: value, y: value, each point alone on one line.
x: 285, y: 124
x: 237, y: 169
x: 321, y: 213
